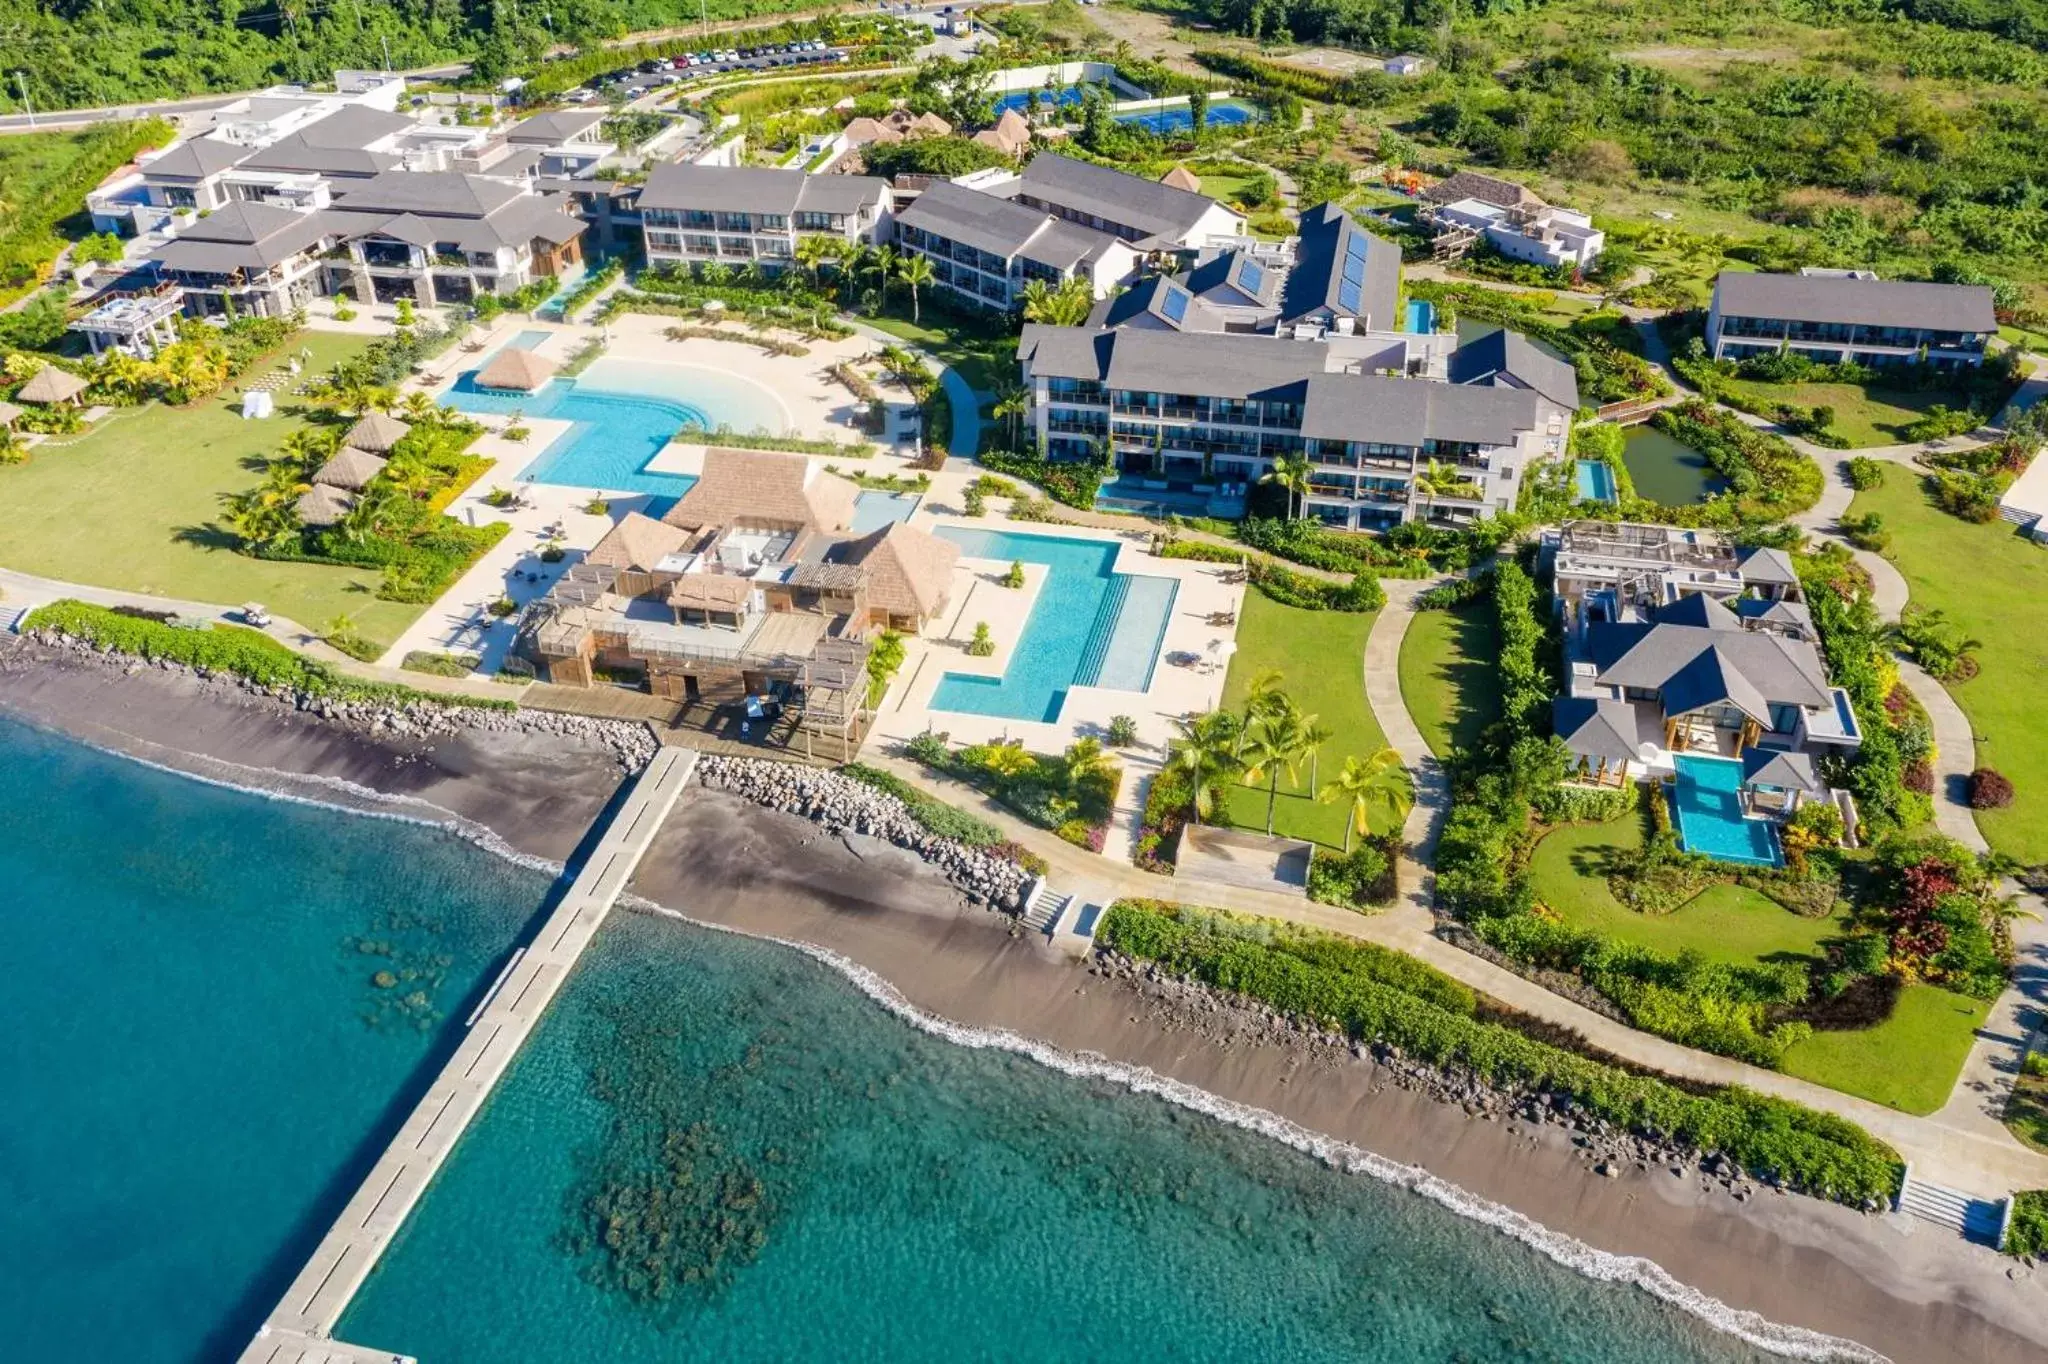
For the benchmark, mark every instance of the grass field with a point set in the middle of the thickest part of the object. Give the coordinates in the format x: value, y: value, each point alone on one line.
x: 985, y: 358
x: 1724, y: 923
x: 1448, y: 681
x: 1908, y: 1062
x: 1321, y: 655
x: 2026, y: 1112
x: 1864, y: 415
x: 1993, y: 583
x: 130, y: 504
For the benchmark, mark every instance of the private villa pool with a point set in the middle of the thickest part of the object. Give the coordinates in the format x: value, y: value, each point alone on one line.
x: 1091, y: 627
x: 1421, y: 316
x: 622, y: 413
x: 1706, y: 805
x: 1595, y: 481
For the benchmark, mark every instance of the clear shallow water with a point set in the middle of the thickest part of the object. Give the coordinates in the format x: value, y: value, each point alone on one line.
x: 196, y: 1058
x: 1706, y: 801
x: 875, y: 509
x: 1076, y: 634
x: 855, y: 1189
x: 1595, y: 481
x: 623, y: 413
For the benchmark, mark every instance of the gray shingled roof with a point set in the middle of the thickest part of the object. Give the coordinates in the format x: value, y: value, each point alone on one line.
x: 1411, y: 411
x: 435, y: 193
x: 1598, y: 729
x: 1794, y: 613
x: 1225, y: 278
x: 1502, y: 353
x: 757, y: 189
x: 1777, y: 767
x: 1770, y: 667
x: 197, y: 158
x: 1114, y: 196
x: 559, y: 126
x: 1697, y: 608
x: 1001, y: 226
x: 1151, y: 297
x: 1840, y: 298
x: 1711, y: 678
x: 1771, y: 566
x: 1317, y: 279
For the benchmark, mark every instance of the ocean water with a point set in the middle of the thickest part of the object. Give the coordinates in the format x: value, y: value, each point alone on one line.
x: 195, y: 1049
x: 717, y: 1149
x: 713, y: 1148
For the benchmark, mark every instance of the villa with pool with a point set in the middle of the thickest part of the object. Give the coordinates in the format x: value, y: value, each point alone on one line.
x: 1695, y: 662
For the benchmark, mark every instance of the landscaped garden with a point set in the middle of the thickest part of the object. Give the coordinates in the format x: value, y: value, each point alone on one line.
x: 1448, y: 682
x: 1320, y: 656
x: 136, y: 502
x: 1989, y: 582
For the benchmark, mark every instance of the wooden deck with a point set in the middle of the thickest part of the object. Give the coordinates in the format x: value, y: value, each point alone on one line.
x: 706, y: 729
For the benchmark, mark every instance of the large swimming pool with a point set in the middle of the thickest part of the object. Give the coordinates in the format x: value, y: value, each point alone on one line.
x: 1706, y: 804
x: 622, y: 413
x: 1091, y: 627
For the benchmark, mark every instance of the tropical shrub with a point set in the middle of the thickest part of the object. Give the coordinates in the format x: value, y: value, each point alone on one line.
x: 1360, y: 879
x: 1990, y: 789
x: 1866, y: 473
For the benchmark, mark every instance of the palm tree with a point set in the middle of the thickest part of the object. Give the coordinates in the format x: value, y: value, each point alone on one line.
x: 1277, y: 739
x: 1087, y: 765
x: 914, y: 271
x: 1033, y: 298
x: 419, y: 409
x: 1262, y: 696
x: 881, y: 264
x: 1205, y: 753
x: 1379, y: 783
x: 811, y: 254
x: 1316, y: 736
x: 1291, y: 472
x: 1012, y: 401
x: 1438, y: 480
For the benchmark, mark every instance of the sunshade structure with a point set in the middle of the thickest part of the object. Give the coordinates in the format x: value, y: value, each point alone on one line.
x: 323, y: 505
x: 515, y: 368
x: 51, y: 385
x: 909, y: 572
x: 377, y: 432
x: 350, y: 468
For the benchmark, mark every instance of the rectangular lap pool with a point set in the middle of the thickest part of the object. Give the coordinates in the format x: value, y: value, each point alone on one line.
x: 1595, y: 481
x: 1706, y: 805
x: 1091, y: 627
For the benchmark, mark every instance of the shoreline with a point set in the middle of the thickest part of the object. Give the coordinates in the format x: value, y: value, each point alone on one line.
x: 1895, y: 1285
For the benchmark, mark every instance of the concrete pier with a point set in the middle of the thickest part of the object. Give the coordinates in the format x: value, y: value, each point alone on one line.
x: 297, y: 1331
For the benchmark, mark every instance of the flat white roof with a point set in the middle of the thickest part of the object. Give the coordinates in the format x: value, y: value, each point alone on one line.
x: 2028, y: 494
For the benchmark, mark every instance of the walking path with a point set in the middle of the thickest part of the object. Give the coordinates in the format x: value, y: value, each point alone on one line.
x: 19, y: 590
x: 1971, y: 1160
x: 298, y: 1330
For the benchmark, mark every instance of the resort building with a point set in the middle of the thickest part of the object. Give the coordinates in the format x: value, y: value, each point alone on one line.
x: 1468, y: 208
x: 741, y: 215
x: 1837, y: 316
x: 1681, y: 646
x: 249, y: 258
x: 1223, y: 407
x: 442, y: 237
x: 752, y: 591
x: 1152, y: 216
x: 986, y: 249
x: 570, y: 142
x: 138, y: 324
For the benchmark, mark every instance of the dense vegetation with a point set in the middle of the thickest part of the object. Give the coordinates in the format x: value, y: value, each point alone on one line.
x: 1380, y: 997
x: 225, y: 649
x: 44, y: 178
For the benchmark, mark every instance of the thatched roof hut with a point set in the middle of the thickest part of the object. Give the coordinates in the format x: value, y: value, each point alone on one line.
x: 515, y: 368
x: 51, y: 385
x: 324, y: 505
x: 772, y: 487
x: 909, y: 573
x: 349, y: 468
x: 377, y: 432
x: 9, y: 415
x: 639, y: 543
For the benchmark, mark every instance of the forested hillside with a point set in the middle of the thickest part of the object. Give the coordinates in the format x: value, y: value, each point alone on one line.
x: 75, y: 52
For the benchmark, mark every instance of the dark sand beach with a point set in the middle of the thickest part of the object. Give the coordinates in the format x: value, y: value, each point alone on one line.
x: 1899, y: 1286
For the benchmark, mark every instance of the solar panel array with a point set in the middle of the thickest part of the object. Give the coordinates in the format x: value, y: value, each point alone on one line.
x: 1350, y: 293
x: 1175, y: 304
x: 1251, y: 277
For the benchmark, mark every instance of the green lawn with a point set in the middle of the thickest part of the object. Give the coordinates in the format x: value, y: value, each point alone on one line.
x: 2026, y: 1112
x: 985, y: 354
x: 1448, y: 681
x: 1908, y: 1062
x: 1321, y: 655
x: 1993, y: 583
x: 1725, y: 922
x: 131, y: 505
x: 1865, y: 416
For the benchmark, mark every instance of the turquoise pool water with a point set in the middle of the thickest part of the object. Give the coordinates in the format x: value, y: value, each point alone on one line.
x: 531, y: 339
x: 198, y: 1059
x: 1090, y: 627
x: 874, y: 509
x: 1421, y: 315
x: 623, y: 413
x: 1595, y: 481
x: 851, y: 1189
x: 1706, y: 804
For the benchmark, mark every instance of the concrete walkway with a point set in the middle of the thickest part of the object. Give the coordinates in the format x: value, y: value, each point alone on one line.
x: 299, y: 1327
x: 1432, y: 806
x: 1971, y: 1160
x: 27, y: 590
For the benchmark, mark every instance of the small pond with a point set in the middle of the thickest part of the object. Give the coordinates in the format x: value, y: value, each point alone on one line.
x: 1667, y: 470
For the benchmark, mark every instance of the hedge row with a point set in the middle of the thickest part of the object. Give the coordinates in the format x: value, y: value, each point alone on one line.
x: 229, y: 649
x: 1812, y: 1151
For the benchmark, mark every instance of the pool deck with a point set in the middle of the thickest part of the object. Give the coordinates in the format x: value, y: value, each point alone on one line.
x: 297, y: 1331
